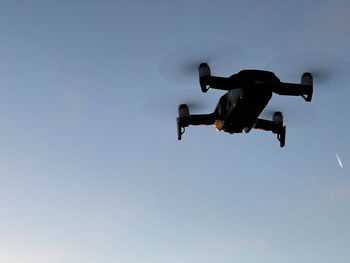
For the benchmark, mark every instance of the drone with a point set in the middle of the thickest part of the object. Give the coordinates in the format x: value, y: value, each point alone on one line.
x: 248, y: 93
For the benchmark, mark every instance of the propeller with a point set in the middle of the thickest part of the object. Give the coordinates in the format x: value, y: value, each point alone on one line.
x: 164, y: 107
x: 326, y: 68
x: 181, y: 65
x: 296, y: 113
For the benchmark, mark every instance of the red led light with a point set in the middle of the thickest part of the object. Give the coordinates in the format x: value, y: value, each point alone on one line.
x: 202, y: 125
x: 260, y: 129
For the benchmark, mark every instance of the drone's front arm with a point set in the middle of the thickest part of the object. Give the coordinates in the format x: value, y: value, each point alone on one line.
x: 197, y: 119
x: 185, y: 119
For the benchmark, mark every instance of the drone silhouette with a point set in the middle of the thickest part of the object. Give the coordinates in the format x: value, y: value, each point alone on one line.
x: 248, y: 93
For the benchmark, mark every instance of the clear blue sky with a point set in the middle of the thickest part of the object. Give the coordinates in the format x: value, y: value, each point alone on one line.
x: 87, y: 177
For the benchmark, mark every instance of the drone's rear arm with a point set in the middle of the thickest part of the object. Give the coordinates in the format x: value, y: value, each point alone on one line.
x: 206, y: 80
x: 213, y: 82
x: 305, y: 89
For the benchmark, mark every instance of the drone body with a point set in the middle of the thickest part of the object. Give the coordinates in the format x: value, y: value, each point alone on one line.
x: 248, y: 93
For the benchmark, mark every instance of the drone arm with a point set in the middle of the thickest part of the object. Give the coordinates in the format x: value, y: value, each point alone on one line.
x: 274, y: 126
x: 290, y: 89
x: 266, y: 125
x: 206, y: 80
x: 220, y: 83
x: 305, y: 89
x: 214, y: 82
x: 196, y: 119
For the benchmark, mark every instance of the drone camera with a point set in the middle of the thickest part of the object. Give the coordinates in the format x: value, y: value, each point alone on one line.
x: 204, y: 74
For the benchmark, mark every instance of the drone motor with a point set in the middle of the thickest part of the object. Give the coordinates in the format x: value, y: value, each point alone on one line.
x: 184, y: 111
x: 277, y: 117
x: 204, y: 73
x: 307, y: 84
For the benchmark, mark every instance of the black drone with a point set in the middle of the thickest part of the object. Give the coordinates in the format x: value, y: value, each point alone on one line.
x: 248, y: 93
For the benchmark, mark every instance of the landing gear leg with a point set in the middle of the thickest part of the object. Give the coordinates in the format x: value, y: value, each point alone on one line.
x: 281, y: 136
x: 276, y: 126
x: 280, y: 129
x: 180, y: 130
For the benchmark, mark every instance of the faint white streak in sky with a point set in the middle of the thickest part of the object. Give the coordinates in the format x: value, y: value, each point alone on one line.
x: 339, y: 161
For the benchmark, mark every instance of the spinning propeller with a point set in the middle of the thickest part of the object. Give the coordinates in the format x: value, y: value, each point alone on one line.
x: 181, y: 65
x: 164, y: 107
x: 325, y: 68
x: 296, y: 113
x: 181, y: 68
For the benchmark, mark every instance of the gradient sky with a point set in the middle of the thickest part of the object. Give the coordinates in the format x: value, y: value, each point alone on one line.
x: 86, y: 176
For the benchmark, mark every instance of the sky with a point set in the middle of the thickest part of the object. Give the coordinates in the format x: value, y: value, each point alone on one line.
x: 87, y: 176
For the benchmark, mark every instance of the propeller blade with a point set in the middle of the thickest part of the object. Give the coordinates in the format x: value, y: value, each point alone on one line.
x: 164, y: 107
x: 296, y: 114
x: 181, y: 65
x: 325, y: 68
